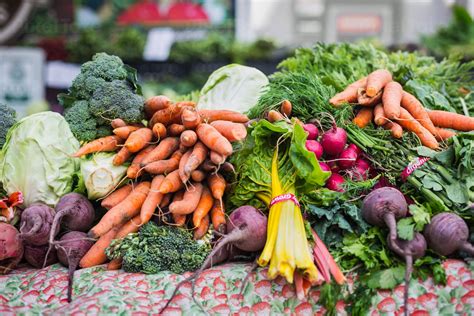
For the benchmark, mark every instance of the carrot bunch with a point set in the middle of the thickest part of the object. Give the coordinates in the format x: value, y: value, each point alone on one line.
x: 175, y: 165
x: 384, y: 102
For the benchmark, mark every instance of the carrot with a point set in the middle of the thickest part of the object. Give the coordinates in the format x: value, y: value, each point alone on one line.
x: 392, y: 97
x: 179, y: 220
x: 286, y: 108
x: 118, y: 123
x: 364, y: 100
x: 175, y: 129
x: 209, y: 166
x: 156, y: 103
x: 182, y: 163
x: 139, y: 139
x: 198, y: 175
x: 190, y: 119
x: 230, y: 130
x: 114, y: 264
x: 218, y: 217
x: 166, y: 200
x: 152, y: 200
x: 217, y: 185
x: 188, y: 138
x: 363, y: 117
x: 213, y: 139
x: 121, y: 156
x: 395, y: 129
x: 452, y: 120
x: 409, y: 123
x: 107, y: 143
x: 377, y: 80
x: 159, y: 130
x: 123, y: 211
x: 125, y: 131
x: 170, y: 115
x: 416, y: 109
x: 189, y: 202
x: 443, y: 134
x: 274, y: 116
x: 134, y: 171
x: 348, y: 95
x: 216, y: 158
x: 171, y: 183
x: 197, y: 157
x: 164, y: 166
x: 202, y: 229
x: 379, y: 115
x: 96, y: 254
x: 164, y: 149
x: 225, y: 115
x: 203, y: 207
x: 116, y: 197
x: 131, y: 226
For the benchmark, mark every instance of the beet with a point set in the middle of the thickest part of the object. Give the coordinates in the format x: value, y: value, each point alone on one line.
x: 347, y: 158
x: 334, y: 141
x: 315, y: 147
x: 11, y: 248
x: 448, y: 233
x: 335, y: 182
x: 36, y: 256
x: 71, y: 248
x: 312, y: 131
x: 35, y: 224
x: 382, y: 207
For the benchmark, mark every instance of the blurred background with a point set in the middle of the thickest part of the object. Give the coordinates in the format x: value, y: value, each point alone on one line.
x: 176, y: 44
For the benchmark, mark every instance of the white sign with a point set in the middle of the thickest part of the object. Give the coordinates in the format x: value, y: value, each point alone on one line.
x: 59, y: 75
x: 158, y: 44
x: 21, y: 77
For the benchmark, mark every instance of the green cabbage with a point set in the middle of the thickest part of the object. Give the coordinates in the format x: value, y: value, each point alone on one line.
x: 99, y: 174
x: 36, y: 159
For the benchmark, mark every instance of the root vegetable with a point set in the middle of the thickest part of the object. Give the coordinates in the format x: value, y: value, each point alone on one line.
x: 315, y: 147
x: 363, y: 117
x: 36, y: 256
x: 334, y: 141
x: 35, y: 225
x: 312, y: 131
x: 159, y: 130
x: 379, y: 115
x: 234, y: 132
x: 364, y: 100
x: 348, y: 95
x: 188, y: 138
x: 116, y: 197
x: 190, y: 119
x: 189, y: 202
x: 175, y: 129
x: 335, y: 182
x: 139, y: 139
x: 197, y: 157
x: 347, y: 158
x: 164, y: 149
x: 156, y: 103
x: 171, y: 183
x: 118, y: 123
x: 451, y: 120
x: 198, y: 176
x: 274, y: 116
x: 324, y: 166
x: 134, y: 171
x: 224, y: 115
x: 213, y: 139
x: 395, y: 129
x: 392, y: 97
x: 11, y: 248
x: 125, y: 131
x: 216, y: 158
x: 286, y: 108
x: 377, y: 80
x: 108, y: 143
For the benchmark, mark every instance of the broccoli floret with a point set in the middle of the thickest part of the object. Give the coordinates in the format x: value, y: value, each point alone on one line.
x: 81, y: 122
x: 117, y: 100
x: 105, y: 66
x: 160, y: 248
x: 7, y: 119
x: 83, y: 86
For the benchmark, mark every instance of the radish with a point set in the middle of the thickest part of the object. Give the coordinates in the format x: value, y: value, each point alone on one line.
x: 355, y: 148
x: 335, y: 182
x: 361, y: 170
x: 35, y: 224
x: 324, y: 166
x: 334, y: 167
x: 36, y: 256
x: 11, y: 248
x: 334, y: 141
x: 447, y: 233
x: 383, y: 207
x: 315, y: 147
x: 347, y: 158
x: 71, y: 248
x: 410, y: 251
x: 312, y: 131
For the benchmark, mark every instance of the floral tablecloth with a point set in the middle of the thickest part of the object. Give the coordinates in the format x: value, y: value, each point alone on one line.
x: 97, y: 291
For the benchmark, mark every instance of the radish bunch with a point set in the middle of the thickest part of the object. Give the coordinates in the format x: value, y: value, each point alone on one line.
x: 337, y: 156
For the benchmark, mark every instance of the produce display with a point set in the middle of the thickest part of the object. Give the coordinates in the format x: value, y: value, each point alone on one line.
x: 348, y: 170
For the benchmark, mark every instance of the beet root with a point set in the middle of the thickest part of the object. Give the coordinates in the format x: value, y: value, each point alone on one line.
x: 11, y: 248
x: 35, y: 225
x: 36, y: 256
x: 448, y: 233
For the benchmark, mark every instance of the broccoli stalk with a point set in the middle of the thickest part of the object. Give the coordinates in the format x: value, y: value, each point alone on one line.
x: 7, y: 119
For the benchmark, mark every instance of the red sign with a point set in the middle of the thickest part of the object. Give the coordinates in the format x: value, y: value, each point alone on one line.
x: 359, y: 23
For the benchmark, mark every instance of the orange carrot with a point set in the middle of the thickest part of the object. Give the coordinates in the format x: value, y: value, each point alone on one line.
x: 198, y: 175
x: 159, y: 130
x: 443, y: 134
x: 170, y: 115
x: 409, y: 123
x: 213, y: 139
x: 121, y: 156
x: 202, y: 229
x: 274, y: 116
x: 134, y: 171
x: 131, y: 226
x: 184, y: 176
x: 377, y: 80
x: 203, y: 207
x: 364, y: 100
x: 379, y: 115
x: 395, y: 129
x: 139, y: 139
x: 166, y: 200
x: 286, y: 108
x: 218, y: 217
x: 363, y: 117
x: 196, y: 158
x: 164, y: 149
x: 175, y: 129
x: 171, y: 183
x: 107, y: 143
x: 152, y: 200
x: 209, y: 166
x: 188, y: 138
x: 122, y: 212
x: 116, y: 197
x: 392, y: 97
x: 190, y: 119
x: 225, y: 115
x: 125, y: 131
x: 217, y: 185
x: 178, y: 219
x: 118, y: 123
x: 114, y: 264
x: 232, y: 131
x: 189, y: 202
x: 348, y: 95
x: 96, y: 254
x: 416, y: 109
x: 216, y: 158
x: 451, y: 120
x: 155, y: 104
x: 164, y: 166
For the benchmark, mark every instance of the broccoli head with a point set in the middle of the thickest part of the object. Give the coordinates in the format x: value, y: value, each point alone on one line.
x: 108, y: 67
x: 7, y: 119
x: 160, y: 248
x: 81, y: 122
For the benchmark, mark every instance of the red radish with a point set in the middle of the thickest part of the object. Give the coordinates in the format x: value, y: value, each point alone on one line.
x: 334, y: 167
x: 324, y: 166
x: 36, y: 256
x: 335, y: 182
x: 361, y: 170
x: 11, y: 248
x: 355, y: 148
x: 312, y: 131
x: 334, y: 141
x: 35, y: 224
x: 315, y: 147
x: 347, y: 158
